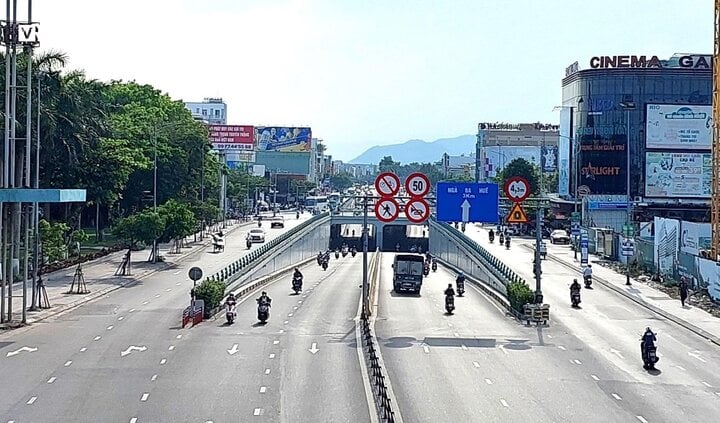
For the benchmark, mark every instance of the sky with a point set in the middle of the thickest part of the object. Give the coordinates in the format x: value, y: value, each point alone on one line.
x: 369, y: 72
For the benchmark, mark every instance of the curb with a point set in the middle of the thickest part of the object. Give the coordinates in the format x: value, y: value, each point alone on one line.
x: 677, y: 320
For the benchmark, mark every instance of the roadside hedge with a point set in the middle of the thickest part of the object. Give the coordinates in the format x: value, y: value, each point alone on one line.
x: 212, y: 291
x: 519, y: 294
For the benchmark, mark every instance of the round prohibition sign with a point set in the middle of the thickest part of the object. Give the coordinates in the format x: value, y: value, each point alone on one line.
x: 387, y: 210
x: 417, y: 210
x: 517, y: 189
x: 417, y: 184
x: 387, y: 184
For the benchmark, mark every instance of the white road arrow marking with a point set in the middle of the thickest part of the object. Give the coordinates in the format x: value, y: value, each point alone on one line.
x: 616, y: 352
x: 233, y: 350
x: 313, y: 349
x: 19, y: 350
x: 132, y: 348
x: 465, y: 210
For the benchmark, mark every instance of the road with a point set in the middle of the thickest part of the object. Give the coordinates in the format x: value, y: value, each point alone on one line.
x: 78, y: 373
x: 603, y: 336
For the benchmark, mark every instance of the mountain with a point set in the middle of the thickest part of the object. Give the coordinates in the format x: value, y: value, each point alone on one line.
x: 418, y: 150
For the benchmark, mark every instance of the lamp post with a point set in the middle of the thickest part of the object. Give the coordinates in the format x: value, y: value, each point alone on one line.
x: 627, y: 106
x: 156, y: 129
x: 575, y: 146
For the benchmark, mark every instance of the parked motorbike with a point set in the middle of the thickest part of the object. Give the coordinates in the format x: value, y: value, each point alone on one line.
x: 449, y: 304
x: 259, y: 223
x: 297, y: 215
x: 297, y: 285
x: 230, y: 313
x: 263, y: 312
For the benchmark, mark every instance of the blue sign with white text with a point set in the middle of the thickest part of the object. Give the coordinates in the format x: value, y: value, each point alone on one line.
x: 467, y: 202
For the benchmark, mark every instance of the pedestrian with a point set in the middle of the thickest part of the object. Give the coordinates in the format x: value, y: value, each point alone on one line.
x: 683, y: 290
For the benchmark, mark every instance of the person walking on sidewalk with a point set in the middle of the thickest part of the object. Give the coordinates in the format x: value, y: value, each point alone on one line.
x: 683, y: 290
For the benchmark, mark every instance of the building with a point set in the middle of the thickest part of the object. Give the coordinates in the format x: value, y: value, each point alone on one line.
x: 210, y: 110
x: 657, y: 111
x: 500, y: 143
x: 458, y: 165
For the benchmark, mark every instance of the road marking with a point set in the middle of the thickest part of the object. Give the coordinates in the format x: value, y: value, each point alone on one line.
x: 171, y: 347
x: 285, y: 322
x: 131, y: 310
x: 488, y: 381
x: 97, y: 338
x: 295, y: 307
x: 313, y: 348
x: 464, y: 348
x: 281, y: 331
x: 426, y: 349
x: 707, y: 384
x: 696, y: 354
x: 275, y: 342
x: 562, y: 348
x: 457, y: 335
x: 163, y: 361
x: 504, y: 351
x: 178, y: 283
x: 290, y: 315
x: 504, y: 403
x: 51, y: 380
x: 549, y: 336
x: 133, y: 420
x: 476, y: 364
x: 271, y: 356
x: 595, y: 377
x: 132, y: 348
x: 153, y: 378
x: 616, y: 352
x: 179, y: 336
x: 267, y: 371
x: 616, y: 396
x: 110, y: 327
x: 146, y: 302
x: 263, y: 389
x: 157, y: 296
x: 120, y: 318
x: 642, y: 419
x: 175, y: 273
x: 450, y: 324
x: 576, y: 361
x: 31, y: 400
x: 299, y: 301
x: 680, y: 367
x: 83, y: 349
x: 168, y: 290
x: 258, y: 412
x: 717, y: 393
x: 68, y: 363
x: 144, y: 396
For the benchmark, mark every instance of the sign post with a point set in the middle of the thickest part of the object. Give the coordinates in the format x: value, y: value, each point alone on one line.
x: 417, y: 185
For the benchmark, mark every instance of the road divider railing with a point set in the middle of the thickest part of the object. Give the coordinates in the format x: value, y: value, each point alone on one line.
x: 373, y: 278
x: 214, y: 288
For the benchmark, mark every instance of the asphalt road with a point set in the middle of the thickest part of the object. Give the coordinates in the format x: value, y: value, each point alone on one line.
x: 78, y: 372
x: 604, y: 337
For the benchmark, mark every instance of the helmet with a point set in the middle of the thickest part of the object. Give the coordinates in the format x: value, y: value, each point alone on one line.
x: 589, y: 265
x: 461, y: 274
x: 264, y: 293
x: 575, y: 281
x: 647, y: 329
x: 449, y: 285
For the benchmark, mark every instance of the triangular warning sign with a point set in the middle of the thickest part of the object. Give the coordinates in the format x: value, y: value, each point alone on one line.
x: 517, y: 215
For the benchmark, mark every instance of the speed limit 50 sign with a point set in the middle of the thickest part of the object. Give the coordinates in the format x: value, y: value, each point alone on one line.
x: 417, y: 185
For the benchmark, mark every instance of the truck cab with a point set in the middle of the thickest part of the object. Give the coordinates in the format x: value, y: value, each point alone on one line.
x: 408, y: 272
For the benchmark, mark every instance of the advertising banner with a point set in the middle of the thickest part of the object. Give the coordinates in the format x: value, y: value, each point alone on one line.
x: 709, y: 276
x: 232, y: 137
x: 679, y: 126
x: 602, y: 165
x: 695, y: 237
x: 679, y: 175
x: 497, y: 157
x: 283, y: 139
x: 667, y: 237
x: 549, y: 158
x: 564, y: 151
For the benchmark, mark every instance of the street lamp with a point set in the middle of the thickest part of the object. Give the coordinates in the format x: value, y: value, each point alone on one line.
x: 627, y: 106
x: 156, y: 129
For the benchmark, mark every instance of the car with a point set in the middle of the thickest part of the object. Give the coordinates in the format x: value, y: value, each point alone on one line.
x: 257, y: 235
x: 559, y: 236
x: 277, y: 222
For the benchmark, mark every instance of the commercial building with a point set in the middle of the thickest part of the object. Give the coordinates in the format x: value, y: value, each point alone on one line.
x: 462, y: 165
x: 657, y: 111
x: 211, y: 110
x: 498, y: 144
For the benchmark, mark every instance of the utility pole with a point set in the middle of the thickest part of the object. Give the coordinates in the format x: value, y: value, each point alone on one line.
x: 537, y: 268
x: 365, y: 292
x: 628, y: 105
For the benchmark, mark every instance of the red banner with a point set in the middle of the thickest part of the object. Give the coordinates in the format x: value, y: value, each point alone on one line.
x: 232, y: 137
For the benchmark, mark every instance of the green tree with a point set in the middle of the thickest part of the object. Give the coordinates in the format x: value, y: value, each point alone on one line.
x: 180, y: 222
x: 388, y: 165
x: 143, y: 227
x: 550, y: 182
x: 521, y: 167
x: 341, y: 181
x: 52, y: 236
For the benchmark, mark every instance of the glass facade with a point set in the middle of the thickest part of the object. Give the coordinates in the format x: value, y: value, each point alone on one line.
x: 599, y: 122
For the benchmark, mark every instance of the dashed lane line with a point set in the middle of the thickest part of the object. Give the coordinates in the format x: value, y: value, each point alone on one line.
x: 562, y: 348
x: 121, y: 318
x: 171, y: 347
x: 258, y: 412
x: 83, y: 349
x: 271, y: 356
x: 476, y: 364
x: 97, y: 338
x: 504, y: 403
x: 153, y: 378
x: 488, y: 381
x: 576, y: 361
x: 163, y: 361
x: 52, y: 379
x: 31, y: 400
x: 68, y: 363
x: 616, y: 396
x: 595, y: 378
x: 642, y: 419
x: 267, y: 371
x: 110, y: 327
x: 263, y: 389
x: 133, y: 420
x: 131, y: 310
x: 144, y: 397
x: 275, y: 342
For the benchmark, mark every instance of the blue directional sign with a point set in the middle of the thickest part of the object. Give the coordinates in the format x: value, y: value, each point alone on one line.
x: 467, y: 202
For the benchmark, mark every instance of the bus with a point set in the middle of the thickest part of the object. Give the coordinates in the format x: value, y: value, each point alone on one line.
x: 318, y: 203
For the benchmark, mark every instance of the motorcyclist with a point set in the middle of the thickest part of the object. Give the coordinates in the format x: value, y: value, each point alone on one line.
x: 648, y: 339
x: 297, y: 274
x: 264, y: 299
x: 231, y: 300
x: 491, y: 235
x: 575, y: 286
x: 587, y: 275
x: 450, y: 292
x: 434, y: 265
x: 460, y: 280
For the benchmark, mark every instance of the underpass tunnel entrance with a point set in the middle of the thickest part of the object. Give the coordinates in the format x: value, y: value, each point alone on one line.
x: 405, y: 238
x: 351, y: 234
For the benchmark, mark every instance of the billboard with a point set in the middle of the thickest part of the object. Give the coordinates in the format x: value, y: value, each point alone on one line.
x: 678, y: 126
x: 232, y: 137
x: 695, y: 237
x: 549, y: 158
x: 678, y: 175
x: 603, y: 165
x: 564, y: 151
x: 283, y: 139
x: 667, y: 234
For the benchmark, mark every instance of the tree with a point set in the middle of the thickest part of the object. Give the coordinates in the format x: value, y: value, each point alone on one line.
x: 388, y: 165
x: 521, y: 167
x: 143, y: 227
x: 179, y: 221
x: 341, y: 181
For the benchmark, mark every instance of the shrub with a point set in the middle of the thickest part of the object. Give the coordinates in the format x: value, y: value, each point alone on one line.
x: 211, y: 291
x: 519, y: 294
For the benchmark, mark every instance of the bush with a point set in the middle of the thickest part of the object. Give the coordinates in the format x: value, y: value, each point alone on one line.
x: 519, y: 294
x: 211, y: 291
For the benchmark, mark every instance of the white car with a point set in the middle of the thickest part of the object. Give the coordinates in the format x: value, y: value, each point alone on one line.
x: 257, y: 235
x: 559, y: 236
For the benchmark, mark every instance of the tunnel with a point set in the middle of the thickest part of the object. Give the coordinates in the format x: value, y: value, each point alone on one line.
x: 351, y: 234
x: 404, y: 237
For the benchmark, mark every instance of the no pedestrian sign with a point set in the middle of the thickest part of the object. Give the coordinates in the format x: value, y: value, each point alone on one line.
x: 386, y: 209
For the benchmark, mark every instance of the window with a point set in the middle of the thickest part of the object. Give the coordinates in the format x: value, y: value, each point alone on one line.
x: 197, y: 110
x: 204, y: 112
x: 217, y: 113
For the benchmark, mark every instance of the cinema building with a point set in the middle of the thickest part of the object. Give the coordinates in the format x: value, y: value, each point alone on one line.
x: 658, y: 109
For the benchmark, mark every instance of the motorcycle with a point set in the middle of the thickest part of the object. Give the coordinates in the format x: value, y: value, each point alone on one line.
x: 324, y: 264
x: 344, y: 252
x: 434, y: 266
x: 230, y: 313
x: 353, y: 252
x: 507, y: 243
x: 588, y: 281
x: 319, y: 260
x: 297, y: 285
x: 259, y: 224
x: 649, y: 356
x: 575, y: 298
x: 449, y: 304
x: 502, y: 239
x: 461, y: 288
x: 263, y: 312
x: 297, y: 215
x: 492, y: 238
x: 248, y: 244
x: 337, y: 254
x: 426, y: 270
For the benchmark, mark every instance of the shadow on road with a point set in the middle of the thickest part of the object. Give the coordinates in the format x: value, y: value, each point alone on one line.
x: 404, y: 294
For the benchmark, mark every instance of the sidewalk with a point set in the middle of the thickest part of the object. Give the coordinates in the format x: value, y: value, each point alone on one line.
x: 692, y: 318
x: 100, y: 277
